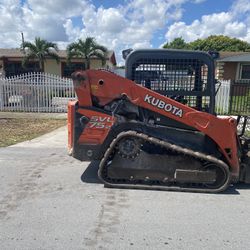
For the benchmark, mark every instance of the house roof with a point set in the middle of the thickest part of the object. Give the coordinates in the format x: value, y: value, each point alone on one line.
x: 228, y: 56
x: 10, y: 53
x: 17, y: 53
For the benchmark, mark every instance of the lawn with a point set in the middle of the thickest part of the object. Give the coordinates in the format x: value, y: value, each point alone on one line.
x: 240, y: 104
x: 14, y: 130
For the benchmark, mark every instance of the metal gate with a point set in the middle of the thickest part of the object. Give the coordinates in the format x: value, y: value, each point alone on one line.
x: 36, y: 92
x: 240, y: 99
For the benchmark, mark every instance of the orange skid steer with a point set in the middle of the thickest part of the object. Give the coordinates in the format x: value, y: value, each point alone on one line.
x: 156, y: 128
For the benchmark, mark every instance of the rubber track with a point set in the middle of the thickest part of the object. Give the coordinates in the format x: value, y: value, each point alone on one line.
x: 181, y: 150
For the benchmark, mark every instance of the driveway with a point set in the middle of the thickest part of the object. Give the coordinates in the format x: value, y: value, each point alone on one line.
x: 49, y: 200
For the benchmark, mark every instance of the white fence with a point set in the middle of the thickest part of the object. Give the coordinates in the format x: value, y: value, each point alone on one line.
x: 222, y: 99
x: 43, y: 92
x: 36, y: 92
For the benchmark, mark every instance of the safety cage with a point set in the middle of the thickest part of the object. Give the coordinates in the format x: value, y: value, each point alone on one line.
x: 186, y: 76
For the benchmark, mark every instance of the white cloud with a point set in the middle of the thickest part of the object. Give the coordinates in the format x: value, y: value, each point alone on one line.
x: 142, y: 45
x: 236, y: 29
x: 47, y: 19
x: 71, y: 31
x: 225, y: 23
x: 132, y: 24
x: 240, y: 7
x: 110, y: 20
x: 11, y: 23
x: 49, y: 28
x: 58, y: 7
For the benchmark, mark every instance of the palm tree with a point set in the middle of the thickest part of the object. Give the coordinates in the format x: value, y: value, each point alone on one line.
x: 39, y: 50
x: 86, y: 49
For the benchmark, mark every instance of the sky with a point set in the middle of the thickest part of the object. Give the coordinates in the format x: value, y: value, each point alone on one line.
x: 122, y: 24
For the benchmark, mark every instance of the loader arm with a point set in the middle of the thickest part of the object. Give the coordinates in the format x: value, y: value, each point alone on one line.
x: 104, y: 87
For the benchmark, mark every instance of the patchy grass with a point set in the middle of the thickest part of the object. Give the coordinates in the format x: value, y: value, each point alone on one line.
x: 14, y: 130
x: 240, y: 104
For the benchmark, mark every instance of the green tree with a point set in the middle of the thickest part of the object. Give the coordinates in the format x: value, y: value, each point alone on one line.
x: 177, y: 43
x: 213, y: 43
x: 219, y: 43
x: 39, y: 50
x: 86, y: 49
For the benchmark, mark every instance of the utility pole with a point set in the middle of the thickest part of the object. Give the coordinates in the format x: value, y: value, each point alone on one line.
x: 22, y: 42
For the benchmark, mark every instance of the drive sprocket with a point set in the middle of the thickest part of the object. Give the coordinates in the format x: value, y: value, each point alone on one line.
x: 129, y: 147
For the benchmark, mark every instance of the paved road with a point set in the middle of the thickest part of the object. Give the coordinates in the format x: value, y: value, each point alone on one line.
x: 49, y: 200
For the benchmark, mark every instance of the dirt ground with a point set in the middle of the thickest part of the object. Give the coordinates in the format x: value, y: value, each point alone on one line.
x: 14, y: 130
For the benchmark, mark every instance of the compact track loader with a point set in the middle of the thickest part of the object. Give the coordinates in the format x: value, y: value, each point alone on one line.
x: 156, y: 128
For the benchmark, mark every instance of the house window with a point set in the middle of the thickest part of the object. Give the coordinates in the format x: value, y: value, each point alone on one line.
x: 15, y: 68
x: 245, y: 72
x: 68, y: 69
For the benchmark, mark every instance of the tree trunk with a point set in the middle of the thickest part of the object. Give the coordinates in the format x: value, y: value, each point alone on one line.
x: 41, y: 65
x: 88, y: 63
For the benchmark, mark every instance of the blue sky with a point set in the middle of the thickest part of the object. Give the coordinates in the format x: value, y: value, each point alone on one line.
x: 196, y: 11
x: 122, y: 24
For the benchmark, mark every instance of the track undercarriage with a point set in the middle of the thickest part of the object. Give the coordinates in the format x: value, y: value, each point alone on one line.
x: 136, y: 160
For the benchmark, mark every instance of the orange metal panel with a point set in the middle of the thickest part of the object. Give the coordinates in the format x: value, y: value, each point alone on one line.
x: 97, y: 128
x: 71, y: 116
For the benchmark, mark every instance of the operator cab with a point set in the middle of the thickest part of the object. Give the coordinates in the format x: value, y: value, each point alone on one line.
x: 185, y: 76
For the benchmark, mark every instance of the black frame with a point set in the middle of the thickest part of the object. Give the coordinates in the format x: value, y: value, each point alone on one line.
x: 163, y: 56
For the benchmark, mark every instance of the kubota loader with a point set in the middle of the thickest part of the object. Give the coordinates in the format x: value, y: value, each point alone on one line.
x: 156, y: 128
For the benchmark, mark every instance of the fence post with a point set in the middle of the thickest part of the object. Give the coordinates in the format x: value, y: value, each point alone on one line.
x: 231, y: 97
x: 1, y: 93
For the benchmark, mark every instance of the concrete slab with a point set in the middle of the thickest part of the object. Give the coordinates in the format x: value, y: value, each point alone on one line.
x: 49, y: 200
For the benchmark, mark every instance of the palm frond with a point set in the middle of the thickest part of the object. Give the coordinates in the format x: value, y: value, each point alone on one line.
x: 26, y: 59
x: 71, y: 46
x: 99, y: 55
x: 54, y: 55
x: 72, y: 51
x: 40, y: 49
x: 101, y: 48
x: 30, y: 46
x: 86, y: 49
x: 89, y: 42
x: 51, y: 45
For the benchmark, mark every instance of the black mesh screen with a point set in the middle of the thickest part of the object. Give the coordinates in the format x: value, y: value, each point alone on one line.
x: 185, y: 80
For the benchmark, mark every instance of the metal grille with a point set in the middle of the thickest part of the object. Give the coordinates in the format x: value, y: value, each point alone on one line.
x: 171, y: 75
x: 185, y: 80
x: 240, y: 99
